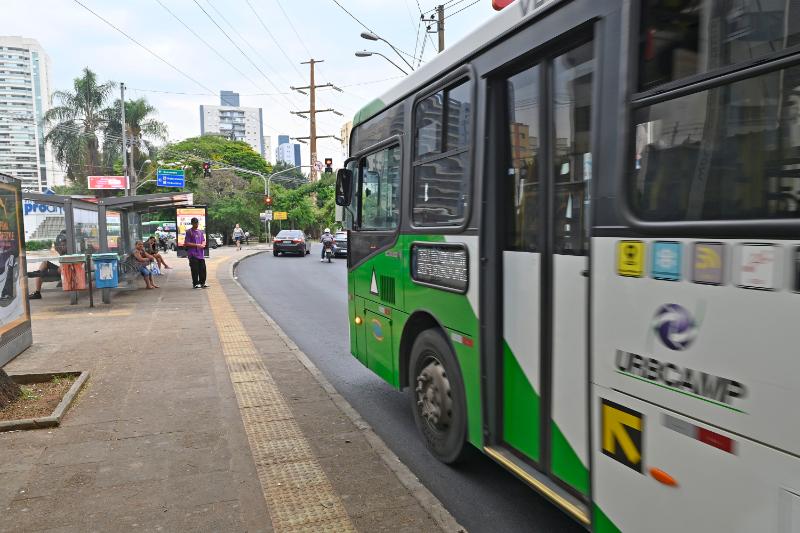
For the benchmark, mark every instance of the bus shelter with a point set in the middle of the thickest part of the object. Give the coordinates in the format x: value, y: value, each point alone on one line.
x: 99, y: 225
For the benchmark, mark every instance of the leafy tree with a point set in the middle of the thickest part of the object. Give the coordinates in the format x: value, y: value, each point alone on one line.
x: 222, y: 149
x: 74, y: 124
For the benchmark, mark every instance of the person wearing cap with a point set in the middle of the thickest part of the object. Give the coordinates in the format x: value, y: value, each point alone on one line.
x: 195, y: 243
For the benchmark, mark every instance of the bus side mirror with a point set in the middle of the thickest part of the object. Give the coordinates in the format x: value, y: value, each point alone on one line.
x: 344, y: 187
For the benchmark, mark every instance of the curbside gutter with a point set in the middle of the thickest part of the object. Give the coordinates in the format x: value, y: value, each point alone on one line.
x: 426, y: 499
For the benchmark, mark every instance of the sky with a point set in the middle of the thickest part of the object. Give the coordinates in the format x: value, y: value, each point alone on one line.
x: 74, y: 38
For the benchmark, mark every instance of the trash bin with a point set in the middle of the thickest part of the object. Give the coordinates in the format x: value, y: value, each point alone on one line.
x: 105, y: 271
x: 73, y: 272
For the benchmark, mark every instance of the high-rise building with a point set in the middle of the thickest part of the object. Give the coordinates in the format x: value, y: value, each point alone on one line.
x: 268, y: 149
x: 284, y: 154
x: 229, y: 98
x: 288, y: 154
x: 347, y: 128
x: 283, y: 139
x: 235, y: 122
x: 24, y: 100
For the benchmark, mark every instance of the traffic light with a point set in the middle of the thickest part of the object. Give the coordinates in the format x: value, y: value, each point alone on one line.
x: 328, y: 164
x: 207, y: 169
x: 268, y: 201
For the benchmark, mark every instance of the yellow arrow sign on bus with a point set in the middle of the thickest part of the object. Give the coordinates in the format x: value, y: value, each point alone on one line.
x: 622, y: 434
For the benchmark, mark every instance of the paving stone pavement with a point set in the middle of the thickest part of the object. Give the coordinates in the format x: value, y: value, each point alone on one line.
x: 159, y: 439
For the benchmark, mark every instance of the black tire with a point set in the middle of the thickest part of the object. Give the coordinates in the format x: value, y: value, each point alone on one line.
x: 433, y: 366
x: 275, y: 253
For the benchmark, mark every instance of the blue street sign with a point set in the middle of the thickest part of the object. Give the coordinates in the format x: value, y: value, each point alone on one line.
x: 166, y: 177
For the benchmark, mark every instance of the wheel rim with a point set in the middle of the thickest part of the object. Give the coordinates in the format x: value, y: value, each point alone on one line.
x: 433, y: 393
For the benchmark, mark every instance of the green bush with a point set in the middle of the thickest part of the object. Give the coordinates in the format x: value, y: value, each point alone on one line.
x: 33, y: 246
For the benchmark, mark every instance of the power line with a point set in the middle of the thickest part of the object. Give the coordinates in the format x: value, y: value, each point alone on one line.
x: 290, y: 102
x: 462, y: 9
x: 274, y: 40
x: 144, y: 47
x: 299, y: 39
x: 239, y: 48
x: 289, y: 20
x: 446, y: 4
x: 176, y: 17
x: 366, y: 27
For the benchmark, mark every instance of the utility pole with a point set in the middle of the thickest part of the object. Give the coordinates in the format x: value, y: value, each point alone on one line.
x: 312, y: 112
x: 124, y: 143
x: 312, y: 115
x: 437, y: 19
x: 440, y: 12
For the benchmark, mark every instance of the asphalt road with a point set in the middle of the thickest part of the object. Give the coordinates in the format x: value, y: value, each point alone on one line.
x: 308, y: 299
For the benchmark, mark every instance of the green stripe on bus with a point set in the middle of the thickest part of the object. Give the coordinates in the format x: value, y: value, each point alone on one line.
x: 367, y: 111
x: 520, y: 408
x: 602, y: 524
x: 565, y: 463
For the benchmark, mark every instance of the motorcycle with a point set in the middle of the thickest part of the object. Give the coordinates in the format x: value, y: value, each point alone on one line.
x: 329, y: 251
x: 163, y: 244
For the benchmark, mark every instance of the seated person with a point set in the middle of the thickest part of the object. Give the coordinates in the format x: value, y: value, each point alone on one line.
x: 142, y: 261
x: 151, y: 247
x: 48, y: 269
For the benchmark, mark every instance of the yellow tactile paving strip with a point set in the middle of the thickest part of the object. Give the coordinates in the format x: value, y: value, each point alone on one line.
x: 297, y: 491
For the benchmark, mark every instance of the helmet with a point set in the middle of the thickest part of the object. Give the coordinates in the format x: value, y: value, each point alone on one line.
x: 159, y: 228
x: 327, y: 230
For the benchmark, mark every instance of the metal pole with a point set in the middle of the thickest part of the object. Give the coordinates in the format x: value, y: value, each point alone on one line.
x: 313, y: 116
x: 269, y: 222
x: 89, y: 273
x: 102, y: 234
x: 124, y: 142
x: 440, y: 12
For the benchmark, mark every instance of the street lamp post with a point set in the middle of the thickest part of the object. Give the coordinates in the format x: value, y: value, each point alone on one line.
x: 267, y: 183
x: 368, y: 35
x: 367, y: 53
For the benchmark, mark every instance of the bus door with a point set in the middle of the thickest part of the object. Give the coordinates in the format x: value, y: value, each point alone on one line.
x: 544, y: 199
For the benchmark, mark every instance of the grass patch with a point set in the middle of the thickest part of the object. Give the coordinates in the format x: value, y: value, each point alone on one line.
x: 38, y: 399
x: 28, y: 394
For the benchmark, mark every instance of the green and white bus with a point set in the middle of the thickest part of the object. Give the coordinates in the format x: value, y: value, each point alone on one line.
x: 575, y: 237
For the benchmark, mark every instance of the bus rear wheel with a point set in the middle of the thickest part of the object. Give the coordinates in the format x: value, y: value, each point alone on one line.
x: 437, y: 396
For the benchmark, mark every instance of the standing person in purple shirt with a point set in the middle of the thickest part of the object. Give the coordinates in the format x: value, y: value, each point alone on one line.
x: 195, y: 243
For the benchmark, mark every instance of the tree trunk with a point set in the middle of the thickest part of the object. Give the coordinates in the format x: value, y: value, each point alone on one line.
x: 9, y: 391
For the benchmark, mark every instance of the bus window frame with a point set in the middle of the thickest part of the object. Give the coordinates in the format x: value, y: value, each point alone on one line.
x: 464, y: 73
x: 394, y: 140
x: 634, y: 99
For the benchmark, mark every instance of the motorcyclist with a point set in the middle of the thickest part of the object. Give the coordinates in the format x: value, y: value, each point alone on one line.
x: 161, y: 238
x: 327, y: 240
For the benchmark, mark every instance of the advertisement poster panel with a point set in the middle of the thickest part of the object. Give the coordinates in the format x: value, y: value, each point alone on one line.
x: 184, y: 216
x: 15, y: 326
x: 107, y: 182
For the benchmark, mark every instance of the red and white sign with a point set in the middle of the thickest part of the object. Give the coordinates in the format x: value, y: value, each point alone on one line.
x: 500, y: 4
x: 108, y: 182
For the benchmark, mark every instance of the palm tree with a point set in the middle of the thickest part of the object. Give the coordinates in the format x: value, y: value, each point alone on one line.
x: 141, y: 131
x: 74, y: 125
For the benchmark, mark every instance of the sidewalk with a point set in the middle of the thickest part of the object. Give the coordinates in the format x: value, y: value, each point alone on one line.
x: 200, y: 415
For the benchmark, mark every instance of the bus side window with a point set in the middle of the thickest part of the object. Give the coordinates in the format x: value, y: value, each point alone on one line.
x: 380, y: 190
x: 442, y: 123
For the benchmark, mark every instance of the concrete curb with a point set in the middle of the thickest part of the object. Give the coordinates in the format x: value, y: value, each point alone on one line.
x: 426, y: 499
x: 55, y: 418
